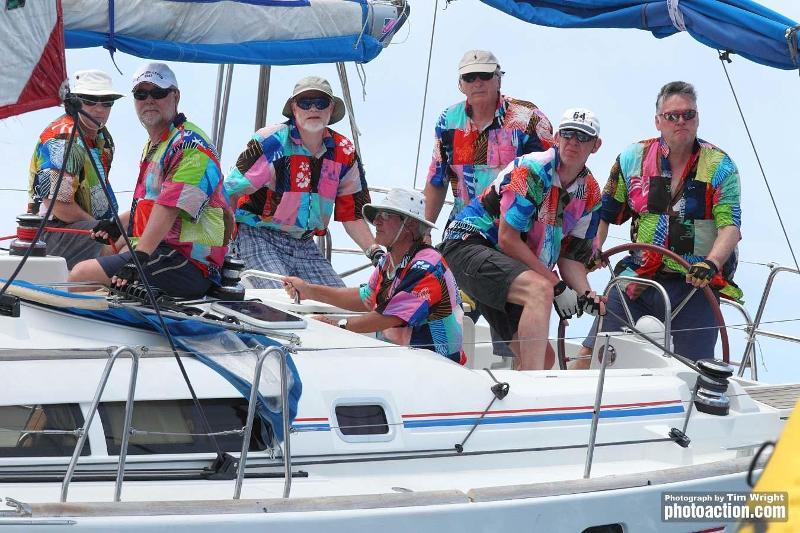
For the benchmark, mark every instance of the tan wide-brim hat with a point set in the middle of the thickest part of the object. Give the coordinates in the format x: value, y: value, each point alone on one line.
x: 315, y: 83
x: 404, y: 202
x: 93, y: 83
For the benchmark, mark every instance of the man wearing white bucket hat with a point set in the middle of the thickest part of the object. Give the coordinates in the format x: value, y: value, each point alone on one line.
x: 411, y: 296
x: 290, y: 180
x: 80, y: 201
x: 542, y: 210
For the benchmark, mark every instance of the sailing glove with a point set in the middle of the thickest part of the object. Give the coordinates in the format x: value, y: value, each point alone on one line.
x: 565, y: 301
x: 702, y: 271
x: 109, y: 225
x: 375, y: 253
x: 589, y: 305
x: 128, y: 272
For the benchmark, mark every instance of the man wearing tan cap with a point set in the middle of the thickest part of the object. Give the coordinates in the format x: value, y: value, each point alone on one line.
x: 411, y: 297
x: 80, y: 201
x: 290, y: 180
x: 478, y: 137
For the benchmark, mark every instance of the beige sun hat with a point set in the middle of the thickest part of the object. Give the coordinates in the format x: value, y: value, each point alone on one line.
x: 478, y: 61
x: 404, y: 202
x: 93, y: 83
x: 315, y: 83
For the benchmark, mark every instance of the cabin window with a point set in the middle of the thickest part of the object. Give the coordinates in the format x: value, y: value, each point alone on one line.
x: 361, y: 420
x: 21, y: 428
x: 173, y: 426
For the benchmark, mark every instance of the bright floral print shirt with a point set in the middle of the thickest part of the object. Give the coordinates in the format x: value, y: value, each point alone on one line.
x: 424, y: 295
x: 554, y: 222
x: 469, y: 159
x: 182, y: 170
x: 686, y: 221
x: 287, y: 188
x: 80, y: 184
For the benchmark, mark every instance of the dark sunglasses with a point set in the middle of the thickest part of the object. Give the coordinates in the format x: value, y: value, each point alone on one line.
x: 673, y: 116
x: 90, y: 101
x: 158, y: 93
x: 472, y: 76
x: 581, y: 136
x: 320, y: 102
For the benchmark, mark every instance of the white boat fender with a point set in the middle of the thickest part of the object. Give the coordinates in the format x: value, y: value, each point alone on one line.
x: 500, y: 390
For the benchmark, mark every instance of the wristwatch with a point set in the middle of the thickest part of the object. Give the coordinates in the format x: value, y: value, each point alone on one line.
x: 342, y: 323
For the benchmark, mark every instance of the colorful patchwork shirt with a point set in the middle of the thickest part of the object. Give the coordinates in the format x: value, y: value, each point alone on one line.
x: 287, y: 188
x: 639, y: 188
x: 80, y: 184
x: 554, y: 222
x: 423, y: 294
x: 469, y: 159
x: 183, y: 171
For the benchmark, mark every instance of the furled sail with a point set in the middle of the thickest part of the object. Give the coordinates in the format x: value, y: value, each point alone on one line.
x: 264, y: 32
x: 740, y: 26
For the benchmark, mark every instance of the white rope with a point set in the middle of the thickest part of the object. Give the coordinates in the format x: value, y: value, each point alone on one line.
x: 675, y: 15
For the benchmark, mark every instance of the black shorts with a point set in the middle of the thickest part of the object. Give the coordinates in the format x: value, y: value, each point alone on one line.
x: 168, y: 269
x: 486, y: 274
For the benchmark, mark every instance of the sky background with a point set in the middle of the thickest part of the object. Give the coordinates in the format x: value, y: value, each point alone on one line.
x: 615, y: 73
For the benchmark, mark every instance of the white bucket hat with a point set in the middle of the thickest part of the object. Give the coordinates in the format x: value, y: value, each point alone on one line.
x: 93, y: 83
x: 404, y: 202
x: 315, y: 83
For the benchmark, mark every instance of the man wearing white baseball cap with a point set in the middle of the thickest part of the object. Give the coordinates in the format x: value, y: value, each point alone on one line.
x: 80, y: 201
x: 541, y: 211
x: 411, y: 297
x: 179, y: 210
x: 290, y: 180
x: 476, y: 138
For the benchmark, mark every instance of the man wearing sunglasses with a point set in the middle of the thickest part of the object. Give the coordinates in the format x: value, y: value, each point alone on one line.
x: 542, y: 210
x: 475, y: 139
x: 80, y: 201
x: 411, y: 297
x: 179, y: 212
x: 681, y: 193
x: 290, y: 180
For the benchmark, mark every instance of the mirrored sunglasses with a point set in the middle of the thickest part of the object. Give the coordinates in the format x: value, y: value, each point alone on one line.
x: 320, y: 102
x: 91, y: 101
x: 580, y: 135
x: 157, y: 94
x: 472, y: 76
x: 673, y: 116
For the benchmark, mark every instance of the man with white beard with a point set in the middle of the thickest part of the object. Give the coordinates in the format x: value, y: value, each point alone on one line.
x: 289, y: 181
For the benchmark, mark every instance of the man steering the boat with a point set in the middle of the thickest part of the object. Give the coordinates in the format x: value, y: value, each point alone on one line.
x: 411, y: 296
x: 475, y: 139
x: 289, y: 181
x: 680, y: 193
x: 80, y: 201
x: 542, y: 210
x: 179, y: 212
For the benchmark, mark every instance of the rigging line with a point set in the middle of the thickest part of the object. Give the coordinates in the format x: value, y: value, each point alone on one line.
x: 723, y: 57
x: 425, y: 93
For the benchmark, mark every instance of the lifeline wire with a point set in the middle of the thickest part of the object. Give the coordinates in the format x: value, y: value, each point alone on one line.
x: 425, y: 94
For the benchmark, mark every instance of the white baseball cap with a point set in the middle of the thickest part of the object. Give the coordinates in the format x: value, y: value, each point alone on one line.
x: 158, y: 74
x: 404, y: 202
x: 93, y: 83
x: 478, y: 61
x: 578, y: 118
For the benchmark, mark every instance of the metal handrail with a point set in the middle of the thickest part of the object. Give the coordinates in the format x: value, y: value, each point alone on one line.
x: 251, y: 411
x: 90, y: 417
x: 753, y: 330
x: 747, y: 356
x: 667, y: 304
x: 598, y: 400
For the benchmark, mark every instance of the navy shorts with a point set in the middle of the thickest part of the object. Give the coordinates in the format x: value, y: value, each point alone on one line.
x: 694, y: 328
x: 168, y: 269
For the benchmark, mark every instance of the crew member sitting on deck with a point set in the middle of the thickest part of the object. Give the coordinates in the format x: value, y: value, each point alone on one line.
x: 289, y: 181
x: 80, y: 201
x: 178, y: 216
x: 542, y: 210
x: 411, y: 296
